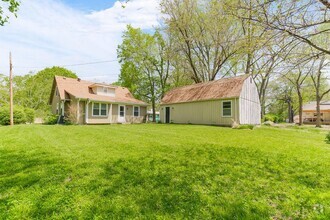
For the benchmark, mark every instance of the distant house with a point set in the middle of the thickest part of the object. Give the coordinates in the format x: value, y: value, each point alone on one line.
x: 150, y: 116
x: 309, y: 112
x: 219, y: 102
x: 95, y: 103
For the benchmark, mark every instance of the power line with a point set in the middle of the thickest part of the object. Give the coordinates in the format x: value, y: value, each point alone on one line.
x: 67, y: 65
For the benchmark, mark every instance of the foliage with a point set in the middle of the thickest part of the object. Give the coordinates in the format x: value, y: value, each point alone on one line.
x: 327, y: 138
x: 163, y: 172
x: 50, y: 119
x: 202, y: 49
x: 274, y: 118
x: 144, y: 65
x: 19, y: 115
x: 30, y: 115
x: 11, y: 6
x: 33, y: 90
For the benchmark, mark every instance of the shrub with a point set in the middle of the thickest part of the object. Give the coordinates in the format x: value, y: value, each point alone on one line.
x: 30, y: 115
x: 19, y: 115
x: 51, y: 119
x: 273, y: 118
x: 327, y: 138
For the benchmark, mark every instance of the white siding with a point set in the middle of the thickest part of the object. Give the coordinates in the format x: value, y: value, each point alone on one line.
x: 249, y: 104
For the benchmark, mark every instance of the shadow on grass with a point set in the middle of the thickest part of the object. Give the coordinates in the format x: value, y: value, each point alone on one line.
x: 26, y: 183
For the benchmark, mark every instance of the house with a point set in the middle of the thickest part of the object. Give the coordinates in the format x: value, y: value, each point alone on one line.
x: 220, y: 102
x: 309, y: 113
x: 150, y: 116
x: 95, y: 103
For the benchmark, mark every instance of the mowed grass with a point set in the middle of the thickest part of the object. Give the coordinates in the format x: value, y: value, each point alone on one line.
x: 154, y: 171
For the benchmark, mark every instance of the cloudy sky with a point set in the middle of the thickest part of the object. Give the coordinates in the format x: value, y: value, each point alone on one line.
x: 64, y: 33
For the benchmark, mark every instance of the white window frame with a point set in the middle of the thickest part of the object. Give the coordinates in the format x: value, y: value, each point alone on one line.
x: 124, y: 111
x: 138, y: 111
x: 231, y: 109
x: 105, y: 90
x: 100, y: 104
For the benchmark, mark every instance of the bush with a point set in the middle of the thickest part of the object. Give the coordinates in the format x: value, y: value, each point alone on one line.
x: 327, y: 138
x: 30, y: 115
x: 273, y: 118
x: 19, y: 115
x: 51, y: 119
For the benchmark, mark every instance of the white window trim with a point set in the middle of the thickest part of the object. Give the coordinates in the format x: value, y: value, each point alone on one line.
x: 138, y: 111
x: 99, y: 115
x: 231, y: 109
x: 124, y: 111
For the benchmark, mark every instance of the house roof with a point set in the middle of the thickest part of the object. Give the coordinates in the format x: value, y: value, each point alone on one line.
x: 311, y: 106
x: 82, y: 89
x: 218, y: 89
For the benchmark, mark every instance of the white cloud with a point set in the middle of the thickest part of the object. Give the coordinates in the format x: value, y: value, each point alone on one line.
x: 48, y: 33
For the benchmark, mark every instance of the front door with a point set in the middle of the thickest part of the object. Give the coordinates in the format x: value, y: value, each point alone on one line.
x: 167, y: 115
x: 121, y: 116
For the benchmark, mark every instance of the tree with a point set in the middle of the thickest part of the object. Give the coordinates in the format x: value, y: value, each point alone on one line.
x: 205, y: 37
x: 11, y: 6
x: 33, y: 91
x: 320, y: 78
x: 303, y: 20
x: 145, y: 66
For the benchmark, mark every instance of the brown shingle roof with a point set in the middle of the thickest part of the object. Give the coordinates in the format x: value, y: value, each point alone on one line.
x: 81, y: 89
x: 218, y: 89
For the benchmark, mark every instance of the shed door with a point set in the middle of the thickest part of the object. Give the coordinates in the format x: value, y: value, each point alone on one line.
x: 167, y: 115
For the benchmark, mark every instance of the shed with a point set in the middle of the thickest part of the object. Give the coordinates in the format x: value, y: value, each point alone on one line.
x: 219, y: 102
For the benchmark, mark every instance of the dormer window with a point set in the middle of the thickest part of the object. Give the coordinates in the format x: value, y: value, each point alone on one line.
x: 103, y: 89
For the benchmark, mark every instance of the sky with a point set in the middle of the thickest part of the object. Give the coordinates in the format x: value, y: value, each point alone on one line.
x: 68, y: 33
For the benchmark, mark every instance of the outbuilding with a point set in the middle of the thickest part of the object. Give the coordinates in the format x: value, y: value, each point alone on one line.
x: 220, y: 102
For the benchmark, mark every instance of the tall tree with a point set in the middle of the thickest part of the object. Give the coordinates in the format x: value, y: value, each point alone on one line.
x: 7, y: 7
x: 145, y: 65
x: 302, y: 20
x: 320, y: 82
x: 204, y: 35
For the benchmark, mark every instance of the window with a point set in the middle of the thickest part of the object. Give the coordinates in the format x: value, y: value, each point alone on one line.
x: 226, y: 109
x: 100, y: 109
x: 104, y: 109
x: 56, y: 91
x: 122, y: 111
x: 136, y: 111
x: 105, y: 89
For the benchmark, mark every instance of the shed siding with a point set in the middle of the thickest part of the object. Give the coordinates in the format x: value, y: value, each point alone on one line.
x: 203, y: 112
x: 249, y: 104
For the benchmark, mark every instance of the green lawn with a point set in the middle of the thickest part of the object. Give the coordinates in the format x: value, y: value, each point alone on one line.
x: 163, y: 171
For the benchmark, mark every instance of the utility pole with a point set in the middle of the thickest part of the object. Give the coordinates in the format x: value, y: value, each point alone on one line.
x: 11, y: 91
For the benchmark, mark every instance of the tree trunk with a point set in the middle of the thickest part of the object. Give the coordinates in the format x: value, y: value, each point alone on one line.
x: 318, y: 112
x: 300, y: 108
x: 153, y: 110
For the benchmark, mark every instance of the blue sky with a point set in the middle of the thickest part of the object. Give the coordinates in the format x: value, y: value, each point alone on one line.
x: 61, y: 33
x: 89, y: 5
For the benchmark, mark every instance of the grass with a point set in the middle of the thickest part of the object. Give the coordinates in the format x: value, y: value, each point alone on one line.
x: 155, y: 171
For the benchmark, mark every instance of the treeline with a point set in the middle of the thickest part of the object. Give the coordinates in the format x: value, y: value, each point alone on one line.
x: 284, y: 45
x: 31, y: 94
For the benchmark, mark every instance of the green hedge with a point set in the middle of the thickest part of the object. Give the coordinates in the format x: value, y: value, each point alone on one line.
x: 21, y: 115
